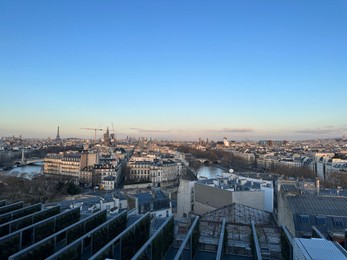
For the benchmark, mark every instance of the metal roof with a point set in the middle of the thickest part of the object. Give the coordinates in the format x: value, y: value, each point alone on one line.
x: 320, y: 249
x: 318, y: 205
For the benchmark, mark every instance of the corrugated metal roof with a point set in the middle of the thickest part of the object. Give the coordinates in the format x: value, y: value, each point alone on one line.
x: 318, y: 205
x: 319, y: 249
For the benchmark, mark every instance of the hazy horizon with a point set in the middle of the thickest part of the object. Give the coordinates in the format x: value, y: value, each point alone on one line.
x: 190, y: 136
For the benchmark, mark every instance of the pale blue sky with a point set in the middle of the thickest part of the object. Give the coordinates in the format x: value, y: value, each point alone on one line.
x: 174, y: 69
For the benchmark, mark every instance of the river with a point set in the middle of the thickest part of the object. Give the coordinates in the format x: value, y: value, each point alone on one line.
x: 27, y: 171
x: 209, y: 172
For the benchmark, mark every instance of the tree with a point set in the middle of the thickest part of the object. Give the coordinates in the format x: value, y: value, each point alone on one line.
x: 72, y: 189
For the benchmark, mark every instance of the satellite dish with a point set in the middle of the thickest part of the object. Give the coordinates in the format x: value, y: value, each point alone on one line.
x: 231, y: 170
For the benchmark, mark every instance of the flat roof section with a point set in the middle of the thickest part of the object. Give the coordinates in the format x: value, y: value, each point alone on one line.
x: 319, y: 249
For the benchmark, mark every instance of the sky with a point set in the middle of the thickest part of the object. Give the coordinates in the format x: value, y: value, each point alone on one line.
x: 174, y: 69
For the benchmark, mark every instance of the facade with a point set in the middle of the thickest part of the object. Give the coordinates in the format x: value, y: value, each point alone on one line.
x: 101, y: 175
x: 52, y: 163
x: 162, y: 173
x: 270, y: 160
x: 247, y: 156
x: 100, y: 171
x: 185, y: 198
x: 71, y: 165
x: 108, y: 182
x: 140, y: 170
x: 68, y: 164
x: 86, y: 176
x: 326, y: 164
x: 84, y: 167
x: 212, y: 194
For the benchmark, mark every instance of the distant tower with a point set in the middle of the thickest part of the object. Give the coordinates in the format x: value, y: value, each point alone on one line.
x: 107, y: 140
x: 58, y: 136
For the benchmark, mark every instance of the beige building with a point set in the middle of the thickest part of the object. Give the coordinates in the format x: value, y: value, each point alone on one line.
x: 68, y: 164
x: 161, y: 174
x: 170, y: 172
x: 100, y: 171
x: 86, y: 176
x: 108, y: 182
x: 52, y: 163
x: 140, y: 170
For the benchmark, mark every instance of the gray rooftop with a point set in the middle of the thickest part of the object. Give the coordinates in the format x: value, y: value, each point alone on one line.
x: 288, y: 187
x: 241, y: 214
x: 144, y: 197
x: 319, y: 249
x: 318, y: 205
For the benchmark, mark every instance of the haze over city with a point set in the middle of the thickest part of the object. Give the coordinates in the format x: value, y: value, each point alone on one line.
x: 174, y: 70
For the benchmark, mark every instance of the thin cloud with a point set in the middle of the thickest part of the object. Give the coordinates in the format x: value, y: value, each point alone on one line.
x: 319, y: 131
x: 237, y: 130
x: 231, y: 130
x: 141, y: 130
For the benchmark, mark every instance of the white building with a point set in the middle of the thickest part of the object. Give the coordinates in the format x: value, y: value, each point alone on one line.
x: 204, y: 196
x: 185, y: 198
x: 226, y: 142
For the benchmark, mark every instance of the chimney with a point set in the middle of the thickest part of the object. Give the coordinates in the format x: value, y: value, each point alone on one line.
x: 317, y: 186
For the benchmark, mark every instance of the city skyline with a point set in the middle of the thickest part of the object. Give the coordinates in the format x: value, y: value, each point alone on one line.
x: 174, y: 70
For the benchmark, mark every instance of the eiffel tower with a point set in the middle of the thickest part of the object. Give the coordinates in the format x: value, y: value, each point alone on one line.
x: 58, y: 136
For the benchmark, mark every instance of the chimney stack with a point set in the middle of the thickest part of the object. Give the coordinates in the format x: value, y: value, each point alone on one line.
x: 317, y: 186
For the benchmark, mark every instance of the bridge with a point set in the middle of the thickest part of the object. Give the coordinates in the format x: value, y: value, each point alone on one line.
x: 29, y: 161
x: 24, y: 161
x: 203, y: 160
x: 207, y: 161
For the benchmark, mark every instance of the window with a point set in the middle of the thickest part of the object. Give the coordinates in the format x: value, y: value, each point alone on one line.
x: 338, y: 222
x: 304, y: 219
x: 321, y: 221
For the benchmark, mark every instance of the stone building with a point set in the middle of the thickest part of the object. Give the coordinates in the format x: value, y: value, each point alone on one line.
x: 68, y: 164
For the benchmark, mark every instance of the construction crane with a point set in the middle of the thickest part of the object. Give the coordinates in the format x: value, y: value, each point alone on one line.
x: 94, y: 129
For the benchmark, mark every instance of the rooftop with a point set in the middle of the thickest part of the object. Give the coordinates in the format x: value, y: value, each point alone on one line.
x: 318, y: 205
x: 240, y: 214
x: 319, y: 249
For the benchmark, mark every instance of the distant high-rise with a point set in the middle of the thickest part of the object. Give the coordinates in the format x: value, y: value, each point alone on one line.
x: 58, y: 136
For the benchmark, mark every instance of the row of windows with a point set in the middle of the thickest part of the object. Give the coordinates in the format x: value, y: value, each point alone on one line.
x: 321, y: 220
x: 139, y: 172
